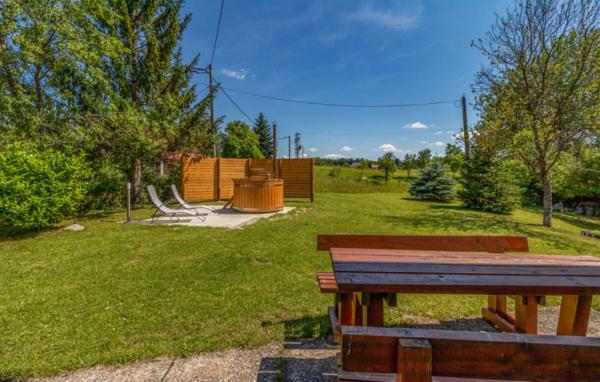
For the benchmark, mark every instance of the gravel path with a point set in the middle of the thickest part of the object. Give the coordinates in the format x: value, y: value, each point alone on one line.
x: 295, y: 361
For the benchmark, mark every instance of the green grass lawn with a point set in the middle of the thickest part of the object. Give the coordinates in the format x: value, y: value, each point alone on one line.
x: 116, y: 293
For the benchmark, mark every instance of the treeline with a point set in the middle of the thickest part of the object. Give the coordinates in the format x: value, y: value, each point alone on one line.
x: 95, y: 90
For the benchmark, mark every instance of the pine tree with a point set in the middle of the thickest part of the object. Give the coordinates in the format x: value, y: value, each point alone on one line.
x: 433, y: 184
x: 263, y: 131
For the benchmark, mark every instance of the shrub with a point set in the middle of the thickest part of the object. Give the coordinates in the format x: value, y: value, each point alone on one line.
x: 489, y: 185
x: 39, y: 187
x: 433, y: 184
x: 107, y: 188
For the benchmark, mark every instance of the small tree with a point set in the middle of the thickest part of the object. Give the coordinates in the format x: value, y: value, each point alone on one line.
x: 364, y: 166
x: 388, y: 165
x: 423, y: 158
x: 409, y: 163
x: 262, y: 129
x: 454, y: 157
x: 487, y: 184
x: 240, y: 142
x: 433, y: 184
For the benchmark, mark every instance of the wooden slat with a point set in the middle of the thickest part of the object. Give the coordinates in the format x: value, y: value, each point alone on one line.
x: 414, y: 360
x: 466, y: 284
x: 477, y: 355
x: 437, y: 242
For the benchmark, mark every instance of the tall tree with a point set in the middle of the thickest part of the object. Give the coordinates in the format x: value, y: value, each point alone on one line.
x: 539, y: 96
x: 409, y: 163
x: 241, y: 142
x: 157, y: 105
x: 423, y: 158
x: 263, y: 131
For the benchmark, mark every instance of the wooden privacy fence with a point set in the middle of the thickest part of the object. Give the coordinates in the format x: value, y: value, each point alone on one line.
x: 212, y: 178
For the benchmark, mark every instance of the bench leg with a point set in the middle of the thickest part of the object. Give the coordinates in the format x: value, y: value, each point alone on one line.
x: 375, y: 310
x: 414, y: 362
x: 497, y: 314
x: 347, y: 311
x: 574, y: 315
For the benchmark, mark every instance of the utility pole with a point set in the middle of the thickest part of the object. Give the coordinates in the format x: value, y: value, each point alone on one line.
x: 289, y: 139
x: 274, y: 149
x: 463, y: 101
x: 212, y: 109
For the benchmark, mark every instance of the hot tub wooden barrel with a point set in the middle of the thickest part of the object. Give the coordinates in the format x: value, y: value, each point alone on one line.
x: 257, y: 195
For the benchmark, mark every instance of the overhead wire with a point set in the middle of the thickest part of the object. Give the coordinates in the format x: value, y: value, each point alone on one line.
x: 212, y: 57
x: 236, y: 105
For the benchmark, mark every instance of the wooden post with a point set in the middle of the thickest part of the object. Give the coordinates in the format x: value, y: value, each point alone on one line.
x: 275, y: 150
x: 463, y: 101
x: 414, y: 363
x: 347, y: 312
x: 375, y: 310
x: 574, y: 315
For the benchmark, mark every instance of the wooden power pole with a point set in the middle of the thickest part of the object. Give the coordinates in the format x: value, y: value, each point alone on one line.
x: 274, y: 149
x: 463, y: 101
x: 212, y: 110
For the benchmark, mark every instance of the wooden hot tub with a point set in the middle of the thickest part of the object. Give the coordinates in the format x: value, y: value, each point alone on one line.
x: 257, y: 194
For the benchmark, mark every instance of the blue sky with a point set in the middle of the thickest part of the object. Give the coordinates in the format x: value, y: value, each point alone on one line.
x: 353, y: 52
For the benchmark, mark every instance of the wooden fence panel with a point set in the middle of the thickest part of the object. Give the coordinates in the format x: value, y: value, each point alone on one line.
x: 297, y: 175
x: 198, y: 180
x: 229, y: 169
x: 211, y: 178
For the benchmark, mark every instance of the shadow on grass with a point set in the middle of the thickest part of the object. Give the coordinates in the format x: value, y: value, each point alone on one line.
x: 15, y: 234
x: 579, y: 221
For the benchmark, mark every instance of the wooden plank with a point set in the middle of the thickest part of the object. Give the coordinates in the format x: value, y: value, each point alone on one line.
x: 466, y: 269
x: 433, y: 242
x: 414, y: 360
x: 347, y: 311
x: 461, y: 257
x: 476, y: 354
x: 466, y: 284
x: 566, y: 318
x: 582, y: 315
x: 497, y: 320
x: 375, y: 310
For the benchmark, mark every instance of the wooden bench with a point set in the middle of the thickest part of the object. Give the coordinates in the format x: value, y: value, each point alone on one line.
x: 496, y: 311
x: 417, y: 355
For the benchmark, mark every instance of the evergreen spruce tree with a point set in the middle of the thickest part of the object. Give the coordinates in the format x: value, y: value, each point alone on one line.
x: 433, y: 184
x: 263, y: 131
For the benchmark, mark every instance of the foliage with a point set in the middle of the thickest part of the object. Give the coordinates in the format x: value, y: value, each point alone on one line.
x: 577, y: 177
x: 538, y: 98
x: 423, y: 158
x: 488, y: 184
x: 39, y: 188
x: 433, y: 184
x: 297, y: 145
x: 241, y: 142
x: 409, y: 162
x: 335, y: 171
x: 454, y: 157
x: 263, y: 131
x: 388, y: 164
x: 102, y: 78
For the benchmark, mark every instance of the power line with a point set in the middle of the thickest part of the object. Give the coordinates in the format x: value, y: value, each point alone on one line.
x: 315, y: 103
x: 212, y: 57
x: 236, y: 105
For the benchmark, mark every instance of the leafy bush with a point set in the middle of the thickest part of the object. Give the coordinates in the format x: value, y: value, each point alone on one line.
x: 433, y: 184
x: 39, y: 187
x: 107, y: 188
x: 489, y: 184
x: 335, y: 172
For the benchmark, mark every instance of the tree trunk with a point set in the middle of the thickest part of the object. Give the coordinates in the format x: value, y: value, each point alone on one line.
x: 136, y: 181
x: 547, y: 200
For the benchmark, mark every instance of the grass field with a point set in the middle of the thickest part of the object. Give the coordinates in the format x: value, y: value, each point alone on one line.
x: 116, y: 293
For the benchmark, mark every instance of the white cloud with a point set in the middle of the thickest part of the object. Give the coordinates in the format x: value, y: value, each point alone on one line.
x: 424, y: 142
x: 313, y: 149
x: 438, y: 133
x: 333, y: 156
x: 397, y: 20
x: 449, y: 132
x: 388, y: 148
x: 346, y: 149
x: 439, y: 143
x: 415, y: 125
x: 237, y: 74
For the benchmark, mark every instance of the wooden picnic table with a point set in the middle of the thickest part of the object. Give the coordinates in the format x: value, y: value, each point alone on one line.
x: 368, y: 277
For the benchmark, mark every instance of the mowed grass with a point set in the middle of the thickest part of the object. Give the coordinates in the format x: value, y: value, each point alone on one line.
x: 116, y: 293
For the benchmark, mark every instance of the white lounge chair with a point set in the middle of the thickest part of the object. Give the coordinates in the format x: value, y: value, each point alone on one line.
x: 186, y: 205
x: 163, y: 209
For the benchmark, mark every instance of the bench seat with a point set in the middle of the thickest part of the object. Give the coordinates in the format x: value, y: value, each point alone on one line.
x: 327, y: 282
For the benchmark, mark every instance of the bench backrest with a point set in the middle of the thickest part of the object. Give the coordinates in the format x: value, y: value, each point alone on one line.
x: 426, y: 243
x: 416, y: 354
